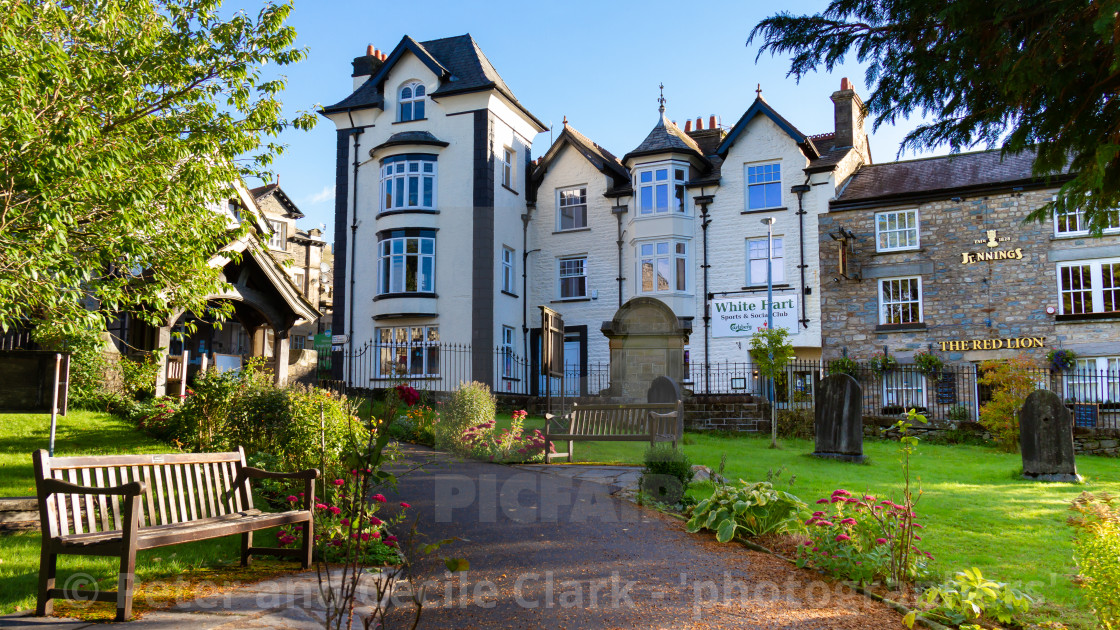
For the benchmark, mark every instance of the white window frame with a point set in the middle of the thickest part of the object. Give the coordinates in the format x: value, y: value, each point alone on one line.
x: 414, y: 348
x: 905, y: 387
x: 910, y: 223
x: 392, y: 259
x: 647, y: 186
x: 651, y: 253
x: 886, y: 306
x: 1093, y: 380
x: 1097, y: 292
x: 509, y: 156
x: 748, y: 185
x: 279, y: 238
x: 561, y: 276
x: 508, y: 269
x: 509, y: 358
x: 401, y: 171
x: 566, y: 201
x: 778, y: 266
x: 1068, y: 224
x: 415, y: 101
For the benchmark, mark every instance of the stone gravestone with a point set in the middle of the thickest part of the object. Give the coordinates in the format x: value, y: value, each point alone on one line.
x: 838, y: 419
x: 663, y: 390
x: 1046, y: 438
x: 647, y: 340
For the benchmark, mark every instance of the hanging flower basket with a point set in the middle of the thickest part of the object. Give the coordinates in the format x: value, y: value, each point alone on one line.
x: 928, y: 363
x: 1061, y: 359
x: 882, y: 362
x: 844, y: 365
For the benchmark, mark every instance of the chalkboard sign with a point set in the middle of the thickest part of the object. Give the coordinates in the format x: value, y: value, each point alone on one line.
x: 946, y: 388
x: 1085, y: 415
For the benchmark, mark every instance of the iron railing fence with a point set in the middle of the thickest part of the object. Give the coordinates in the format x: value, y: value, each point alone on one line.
x: 950, y: 393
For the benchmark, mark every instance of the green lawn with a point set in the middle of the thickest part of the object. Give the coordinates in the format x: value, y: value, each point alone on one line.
x: 977, y: 512
x: 89, y: 433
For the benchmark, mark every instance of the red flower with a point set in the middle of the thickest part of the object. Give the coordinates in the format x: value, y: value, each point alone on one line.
x: 405, y: 505
x: 380, y: 498
x: 408, y: 395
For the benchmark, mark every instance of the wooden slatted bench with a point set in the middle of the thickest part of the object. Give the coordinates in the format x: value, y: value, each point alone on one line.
x: 646, y: 422
x: 118, y: 504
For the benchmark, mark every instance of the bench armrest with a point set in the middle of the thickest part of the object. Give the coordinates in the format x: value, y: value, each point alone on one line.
x: 248, y: 472
x: 57, y: 486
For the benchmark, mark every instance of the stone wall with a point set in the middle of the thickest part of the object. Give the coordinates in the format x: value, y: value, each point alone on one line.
x: 1105, y: 442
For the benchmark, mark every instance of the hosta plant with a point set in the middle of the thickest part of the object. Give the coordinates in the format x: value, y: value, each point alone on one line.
x: 968, y: 596
x: 746, y: 509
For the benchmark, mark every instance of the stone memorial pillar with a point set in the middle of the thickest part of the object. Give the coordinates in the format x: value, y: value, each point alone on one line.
x: 1046, y: 438
x: 838, y: 419
x: 647, y: 340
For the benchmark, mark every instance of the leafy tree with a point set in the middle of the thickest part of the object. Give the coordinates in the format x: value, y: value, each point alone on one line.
x: 1011, y: 381
x: 1035, y: 75
x: 771, y: 351
x: 123, y: 122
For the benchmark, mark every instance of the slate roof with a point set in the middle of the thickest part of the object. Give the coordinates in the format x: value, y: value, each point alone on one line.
x: 410, y: 137
x: 938, y: 175
x: 458, y: 61
x: 260, y: 192
x: 600, y: 157
x: 665, y: 138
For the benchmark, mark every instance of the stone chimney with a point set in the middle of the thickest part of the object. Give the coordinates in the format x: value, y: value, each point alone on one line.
x: 849, y: 119
x: 367, y: 65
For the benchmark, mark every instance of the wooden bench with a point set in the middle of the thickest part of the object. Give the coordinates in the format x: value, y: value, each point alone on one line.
x: 116, y: 505
x: 646, y: 422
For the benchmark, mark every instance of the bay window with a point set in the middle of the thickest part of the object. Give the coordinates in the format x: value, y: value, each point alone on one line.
x: 408, y: 181
x: 661, y: 188
x: 407, y: 351
x: 406, y: 262
x: 663, y: 266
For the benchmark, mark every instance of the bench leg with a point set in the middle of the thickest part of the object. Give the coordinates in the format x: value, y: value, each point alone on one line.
x: 48, y: 563
x: 308, y: 543
x: 125, y: 583
x: 246, y: 543
x: 571, y: 451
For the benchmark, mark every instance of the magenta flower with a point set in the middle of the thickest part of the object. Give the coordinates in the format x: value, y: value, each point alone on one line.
x: 824, y: 523
x: 391, y: 538
x: 292, y: 498
x: 405, y: 505
x: 336, y: 511
x: 389, y: 543
x: 345, y: 522
x: 848, y: 521
x: 379, y: 498
x: 841, y: 493
x: 843, y: 537
x: 373, y: 520
x: 339, y: 482
x: 818, y: 513
x: 880, y: 541
x: 823, y: 501
x: 321, y: 506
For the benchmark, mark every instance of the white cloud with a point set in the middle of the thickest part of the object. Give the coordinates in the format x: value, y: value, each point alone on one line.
x: 326, y: 194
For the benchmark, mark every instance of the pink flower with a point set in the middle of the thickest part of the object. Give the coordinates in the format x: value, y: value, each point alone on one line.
x: 375, y: 535
x: 848, y: 521
x: 373, y: 520
x: 869, y: 498
x: 405, y: 505
x: 321, y: 506
x: 823, y: 501
x: 408, y: 395
x: 880, y: 541
x: 336, y: 511
x: 339, y: 482
x: 345, y: 522
x: 818, y: 513
x: 824, y: 523
x: 379, y: 498
x: 292, y: 498
x: 391, y: 538
x: 365, y: 537
x: 389, y: 543
x: 816, y: 549
x: 916, y: 537
x: 843, y: 537
x: 841, y: 493
x: 811, y: 520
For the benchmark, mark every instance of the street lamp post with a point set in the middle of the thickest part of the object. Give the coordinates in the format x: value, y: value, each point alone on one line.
x: 769, y: 223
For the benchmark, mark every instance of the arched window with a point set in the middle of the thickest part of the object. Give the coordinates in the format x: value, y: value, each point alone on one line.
x: 412, y: 101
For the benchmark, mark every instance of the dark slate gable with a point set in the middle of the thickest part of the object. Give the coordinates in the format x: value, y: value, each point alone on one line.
x: 939, y: 176
x: 760, y: 106
x: 260, y: 192
x: 457, y: 61
x: 599, y: 157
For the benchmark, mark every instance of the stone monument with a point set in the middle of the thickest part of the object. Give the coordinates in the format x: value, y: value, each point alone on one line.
x: 663, y: 390
x: 646, y: 341
x: 838, y: 419
x: 1046, y: 438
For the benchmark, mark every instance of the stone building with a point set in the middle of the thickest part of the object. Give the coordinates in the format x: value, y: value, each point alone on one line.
x: 935, y: 255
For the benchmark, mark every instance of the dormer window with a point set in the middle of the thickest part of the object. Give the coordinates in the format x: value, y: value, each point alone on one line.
x: 661, y: 188
x: 412, y: 102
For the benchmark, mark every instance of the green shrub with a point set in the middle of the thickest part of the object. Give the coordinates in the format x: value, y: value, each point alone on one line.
x: 471, y: 405
x: 796, y: 423
x: 968, y: 595
x: 1011, y: 381
x: 1096, y: 549
x: 748, y: 509
x: 667, y: 473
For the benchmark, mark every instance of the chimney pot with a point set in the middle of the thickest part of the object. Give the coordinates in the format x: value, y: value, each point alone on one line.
x: 712, y: 122
x: 370, y: 51
x: 699, y: 123
x: 688, y: 125
x: 845, y: 84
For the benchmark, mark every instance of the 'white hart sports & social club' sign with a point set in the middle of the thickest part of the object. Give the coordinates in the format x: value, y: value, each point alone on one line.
x: 742, y: 316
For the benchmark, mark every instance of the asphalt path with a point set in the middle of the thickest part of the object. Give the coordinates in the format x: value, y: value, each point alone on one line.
x: 546, y: 551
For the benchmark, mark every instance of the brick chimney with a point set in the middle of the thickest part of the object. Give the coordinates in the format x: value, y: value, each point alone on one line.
x: 367, y: 65
x: 849, y: 119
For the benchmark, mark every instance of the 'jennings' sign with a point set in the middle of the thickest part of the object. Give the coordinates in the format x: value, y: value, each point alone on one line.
x: 741, y: 317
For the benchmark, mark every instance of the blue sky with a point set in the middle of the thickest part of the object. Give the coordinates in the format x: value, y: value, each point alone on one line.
x: 598, y: 63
